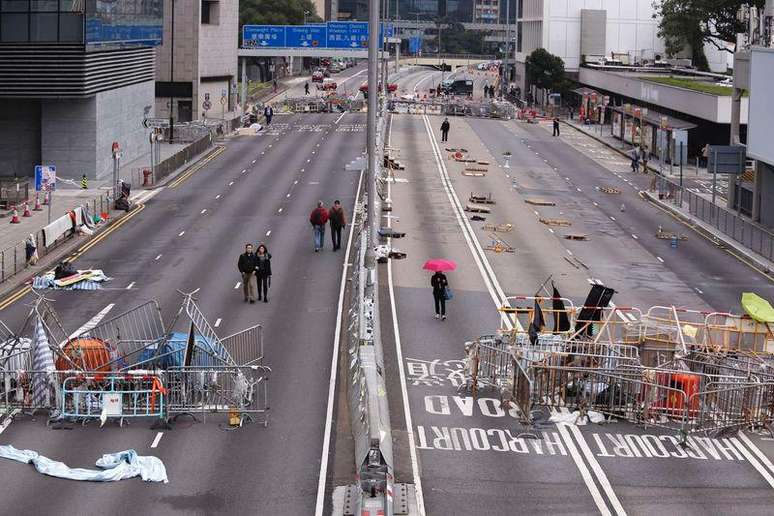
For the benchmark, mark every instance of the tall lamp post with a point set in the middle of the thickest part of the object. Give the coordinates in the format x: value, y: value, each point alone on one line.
x: 172, y: 77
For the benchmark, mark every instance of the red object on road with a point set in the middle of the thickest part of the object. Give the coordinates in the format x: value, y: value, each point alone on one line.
x: 27, y: 212
x: 15, y: 215
x: 439, y: 264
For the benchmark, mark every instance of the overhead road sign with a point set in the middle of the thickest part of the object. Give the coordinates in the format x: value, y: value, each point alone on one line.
x: 304, y: 36
x: 334, y: 35
x: 271, y: 36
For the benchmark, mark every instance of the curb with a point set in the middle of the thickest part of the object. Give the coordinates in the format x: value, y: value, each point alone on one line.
x: 704, y: 230
x: 182, y: 170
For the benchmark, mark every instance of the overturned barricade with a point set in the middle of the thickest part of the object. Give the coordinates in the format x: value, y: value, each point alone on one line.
x: 133, y: 366
x: 681, y: 370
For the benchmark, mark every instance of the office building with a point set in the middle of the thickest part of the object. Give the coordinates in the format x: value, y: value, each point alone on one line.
x: 75, y: 77
x: 196, y: 66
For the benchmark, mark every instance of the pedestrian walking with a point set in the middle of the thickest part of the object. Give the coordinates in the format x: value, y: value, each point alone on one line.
x: 268, y: 113
x: 274, y: 85
x: 338, y: 221
x: 644, y: 158
x: 439, y: 283
x: 445, y: 130
x: 247, y: 264
x: 634, y: 154
x: 306, y: 88
x: 572, y: 113
x: 263, y: 271
x: 556, y: 126
x: 318, y: 219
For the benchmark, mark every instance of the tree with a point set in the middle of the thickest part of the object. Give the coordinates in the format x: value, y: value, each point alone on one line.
x: 456, y: 40
x: 276, y: 12
x: 545, y: 70
x: 696, y: 22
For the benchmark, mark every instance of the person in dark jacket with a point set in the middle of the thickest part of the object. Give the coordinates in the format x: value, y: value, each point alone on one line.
x: 246, y: 265
x: 556, y: 126
x: 338, y: 221
x: 268, y: 112
x: 445, y: 130
x: 263, y: 271
x: 318, y: 218
x: 306, y: 88
x: 439, y: 283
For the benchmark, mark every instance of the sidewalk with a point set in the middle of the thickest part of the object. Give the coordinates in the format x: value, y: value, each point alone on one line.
x: 693, y: 182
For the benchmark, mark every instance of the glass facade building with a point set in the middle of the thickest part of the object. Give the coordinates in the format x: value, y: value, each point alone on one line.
x: 95, y: 23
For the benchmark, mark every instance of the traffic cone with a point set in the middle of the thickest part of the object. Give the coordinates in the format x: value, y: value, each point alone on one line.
x: 46, y: 200
x: 26, y: 210
x: 14, y: 215
x: 37, y: 203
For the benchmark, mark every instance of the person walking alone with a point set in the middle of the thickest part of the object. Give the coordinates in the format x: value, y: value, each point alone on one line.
x: 338, y: 221
x: 306, y: 88
x: 439, y: 283
x: 634, y: 154
x: 318, y: 219
x: 263, y: 271
x: 556, y: 126
x: 445, y: 130
x: 246, y: 265
x: 268, y: 113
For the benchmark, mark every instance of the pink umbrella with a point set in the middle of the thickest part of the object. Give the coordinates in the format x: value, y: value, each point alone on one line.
x: 439, y: 264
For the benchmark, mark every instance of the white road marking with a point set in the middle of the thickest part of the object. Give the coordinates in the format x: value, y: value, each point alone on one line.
x: 320, y: 505
x: 536, y: 213
x: 181, y: 233
x: 595, y: 204
x: 231, y: 183
x: 237, y: 285
x: 612, y: 218
x: 309, y: 161
x: 482, y: 262
x: 338, y: 120
x: 204, y: 211
x: 752, y: 460
x: 157, y: 439
x: 129, y: 286
x: 295, y: 182
x: 550, y: 230
x: 217, y: 322
x: 217, y: 196
x: 579, y: 189
x: 697, y: 289
x: 8, y: 420
x: 254, y: 161
x: 764, y: 460
x: 584, y: 470
x: 288, y: 195
x: 313, y: 152
x: 660, y: 259
x: 634, y: 236
x: 245, y: 170
x: 279, y: 210
x: 569, y: 252
x: 597, y: 469
x: 158, y: 257
x: 91, y: 323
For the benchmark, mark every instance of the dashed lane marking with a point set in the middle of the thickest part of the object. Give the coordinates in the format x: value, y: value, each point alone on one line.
x: 660, y: 259
x: 181, y: 233
x: 217, y: 322
x: 268, y: 233
x: 635, y: 236
x: 129, y: 286
x: 237, y: 285
x: 204, y: 211
x: 158, y: 257
x: 217, y: 196
x: 157, y: 439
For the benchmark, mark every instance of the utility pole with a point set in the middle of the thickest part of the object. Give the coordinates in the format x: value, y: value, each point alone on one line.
x: 373, y: 106
x: 172, y: 77
x: 504, y: 85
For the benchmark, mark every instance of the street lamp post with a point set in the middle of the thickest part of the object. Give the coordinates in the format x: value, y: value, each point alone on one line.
x: 373, y: 106
x: 172, y: 77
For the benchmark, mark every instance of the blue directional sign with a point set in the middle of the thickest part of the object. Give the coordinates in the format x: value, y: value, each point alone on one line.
x: 306, y: 36
x: 352, y: 35
x: 415, y: 44
x: 266, y: 36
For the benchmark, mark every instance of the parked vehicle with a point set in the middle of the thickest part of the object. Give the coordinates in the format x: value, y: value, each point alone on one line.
x: 317, y: 76
x: 327, y: 85
x: 458, y: 87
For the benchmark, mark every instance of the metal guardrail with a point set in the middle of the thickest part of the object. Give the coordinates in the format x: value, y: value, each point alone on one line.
x: 747, y: 233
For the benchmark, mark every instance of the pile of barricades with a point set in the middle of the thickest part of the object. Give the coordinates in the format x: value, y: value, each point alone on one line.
x: 684, y: 370
x: 132, y: 366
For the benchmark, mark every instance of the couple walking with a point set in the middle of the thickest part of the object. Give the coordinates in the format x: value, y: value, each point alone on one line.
x: 256, y: 272
x: 320, y: 216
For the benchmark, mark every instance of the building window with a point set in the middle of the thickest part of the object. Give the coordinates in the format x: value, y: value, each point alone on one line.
x: 37, y: 21
x: 210, y: 12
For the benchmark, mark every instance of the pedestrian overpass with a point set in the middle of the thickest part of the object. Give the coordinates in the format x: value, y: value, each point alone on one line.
x: 452, y: 60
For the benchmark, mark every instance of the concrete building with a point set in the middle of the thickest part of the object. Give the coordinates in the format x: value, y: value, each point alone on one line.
x: 198, y: 60
x: 75, y: 77
x: 572, y: 29
x: 486, y: 11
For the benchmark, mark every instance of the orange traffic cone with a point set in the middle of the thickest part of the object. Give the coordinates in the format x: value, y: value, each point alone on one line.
x: 14, y: 215
x: 37, y: 203
x: 26, y: 210
x: 46, y: 199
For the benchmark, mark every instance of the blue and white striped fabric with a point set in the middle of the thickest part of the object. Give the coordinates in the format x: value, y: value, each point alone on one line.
x: 46, y: 282
x: 42, y: 360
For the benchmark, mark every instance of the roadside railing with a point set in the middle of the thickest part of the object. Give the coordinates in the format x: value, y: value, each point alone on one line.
x: 751, y: 235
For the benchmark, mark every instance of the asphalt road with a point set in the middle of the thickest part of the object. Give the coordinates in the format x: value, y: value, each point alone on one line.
x: 261, y: 188
x: 474, y: 457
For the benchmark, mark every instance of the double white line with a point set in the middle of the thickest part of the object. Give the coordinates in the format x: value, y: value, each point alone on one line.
x: 488, y: 275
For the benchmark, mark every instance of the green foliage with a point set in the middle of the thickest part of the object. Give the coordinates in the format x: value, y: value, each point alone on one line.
x: 694, y: 84
x: 456, y: 40
x: 696, y: 22
x: 276, y: 12
x: 546, y: 70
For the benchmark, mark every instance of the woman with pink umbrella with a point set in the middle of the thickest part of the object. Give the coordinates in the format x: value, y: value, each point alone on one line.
x: 441, y: 290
